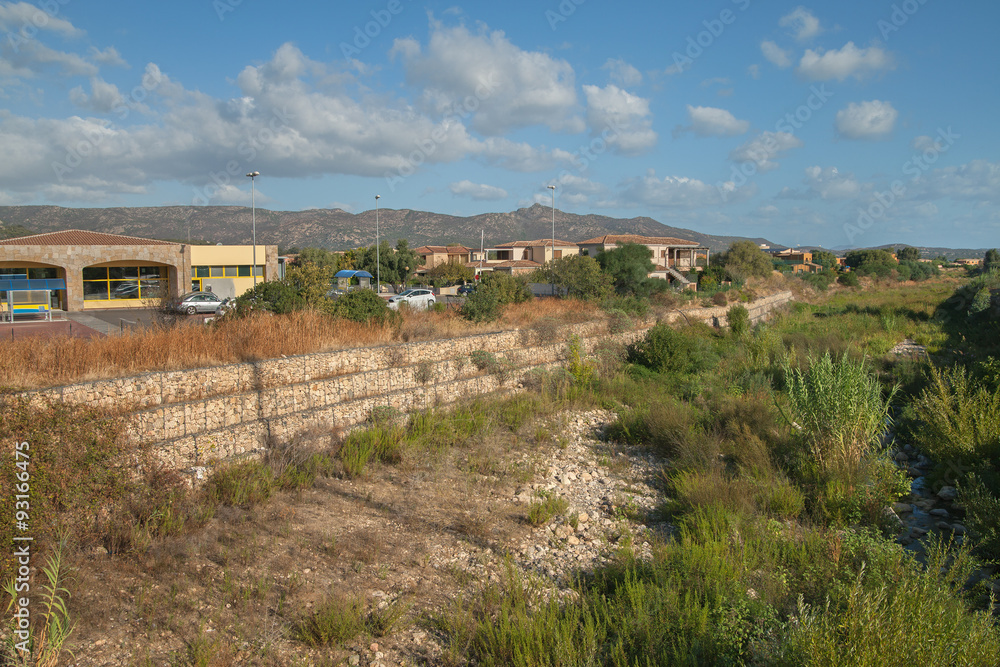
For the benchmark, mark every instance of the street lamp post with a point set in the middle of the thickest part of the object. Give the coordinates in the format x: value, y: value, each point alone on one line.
x: 553, y: 188
x: 253, y: 221
x: 378, y: 263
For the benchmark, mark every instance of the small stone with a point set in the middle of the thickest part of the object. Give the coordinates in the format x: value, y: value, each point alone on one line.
x: 901, y: 457
x: 958, y: 528
x: 586, y: 477
x: 419, y: 636
x: 354, y: 659
x: 902, y: 508
x: 947, y: 493
x: 914, y: 472
x: 942, y: 525
x: 573, y: 540
x: 940, y: 512
x: 583, y: 517
x: 374, y: 648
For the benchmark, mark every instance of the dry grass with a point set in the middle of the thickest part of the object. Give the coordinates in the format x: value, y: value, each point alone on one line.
x: 39, y: 362
x: 31, y: 363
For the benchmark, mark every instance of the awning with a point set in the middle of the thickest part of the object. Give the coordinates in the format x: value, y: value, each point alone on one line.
x: 350, y: 273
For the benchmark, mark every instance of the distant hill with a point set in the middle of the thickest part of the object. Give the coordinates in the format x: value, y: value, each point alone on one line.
x: 336, y: 229
x: 927, y: 252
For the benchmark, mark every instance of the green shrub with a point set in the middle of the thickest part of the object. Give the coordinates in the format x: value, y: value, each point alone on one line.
x: 542, y: 511
x: 982, y: 507
x: 667, y: 349
x: 243, y: 485
x: 848, y: 279
x: 874, y: 624
x: 837, y: 410
x: 738, y: 318
x: 336, y: 620
x: 619, y: 322
x: 481, y: 306
x: 958, y: 418
x: 363, y: 305
x: 630, y: 304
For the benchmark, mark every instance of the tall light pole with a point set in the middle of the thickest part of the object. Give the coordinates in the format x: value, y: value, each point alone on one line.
x: 253, y: 221
x: 378, y: 264
x: 553, y: 188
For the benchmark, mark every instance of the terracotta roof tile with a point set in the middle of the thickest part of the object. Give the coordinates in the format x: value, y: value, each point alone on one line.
x: 538, y: 242
x: 635, y: 238
x: 441, y: 249
x: 516, y: 264
x: 82, y: 237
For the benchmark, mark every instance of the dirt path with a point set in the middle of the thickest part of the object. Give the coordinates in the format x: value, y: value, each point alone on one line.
x: 409, y: 538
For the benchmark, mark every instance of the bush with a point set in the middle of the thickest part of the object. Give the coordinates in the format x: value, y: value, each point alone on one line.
x: 619, y: 322
x: 837, y: 409
x: 958, y: 418
x: 738, y: 318
x: 849, y: 279
x: 336, y: 620
x: 481, y: 306
x: 666, y: 349
x: 364, y: 306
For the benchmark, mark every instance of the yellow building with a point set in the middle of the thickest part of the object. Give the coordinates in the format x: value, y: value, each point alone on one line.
x: 115, y: 271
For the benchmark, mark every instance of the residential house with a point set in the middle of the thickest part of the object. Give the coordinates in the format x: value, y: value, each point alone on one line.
x: 436, y: 255
x: 521, y: 257
x: 672, y: 256
x: 798, y: 261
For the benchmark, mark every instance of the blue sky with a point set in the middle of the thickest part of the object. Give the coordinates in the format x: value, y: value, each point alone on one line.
x: 842, y: 124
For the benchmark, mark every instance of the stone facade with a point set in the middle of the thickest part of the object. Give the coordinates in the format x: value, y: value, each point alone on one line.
x: 200, y: 417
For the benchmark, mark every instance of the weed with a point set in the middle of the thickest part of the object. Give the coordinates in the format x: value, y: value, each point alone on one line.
x: 336, y: 620
x: 542, y: 511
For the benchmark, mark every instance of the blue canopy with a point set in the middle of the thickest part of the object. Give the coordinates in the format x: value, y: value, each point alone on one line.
x: 350, y: 273
x: 20, y: 284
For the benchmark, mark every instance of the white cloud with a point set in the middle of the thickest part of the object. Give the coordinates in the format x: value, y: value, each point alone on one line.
x: 775, y: 54
x: 22, y: 19
x: 871, y: 120
x: 849, y: 61
x: 978, y: 180
x: 512, y: 88
x: 802, y: 23
x: 108, y: 56
x: 765, y: 148
x: 754, y: 71
x: 621, y: 118
x: 621, y: 73
x: 478, y: 191
x: 712, y: 122
x: 668, y: 192
x: 103, y: 96
x: 830, y: 184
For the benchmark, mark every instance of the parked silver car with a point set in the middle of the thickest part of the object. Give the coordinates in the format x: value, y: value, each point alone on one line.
x: 414, y: 298
x: 198, y: 302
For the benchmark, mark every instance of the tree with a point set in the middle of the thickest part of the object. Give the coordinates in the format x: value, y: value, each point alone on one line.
x: 395, y: 265
x: 320, y: 257
x: 745, y: 259
x: 496, y: 290
x: 578, y: 277
x: 991, y: 262
x: 871, y: 262
x: 908, y: 254
x: 825, y: 259
x: 362, y: 305
x: 629, y: 266
x: 451, y: 272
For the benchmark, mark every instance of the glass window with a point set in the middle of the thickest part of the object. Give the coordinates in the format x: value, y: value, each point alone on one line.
x: 201, y: 272
x: 217, y: 272
x: 231, y: 272
x: 258, y: 270
x: 123, y: 272
x: 95, y: 290
x: 124, y: 289
x: 95, y: 273
x: 244, y: 271
x: 151, y: 272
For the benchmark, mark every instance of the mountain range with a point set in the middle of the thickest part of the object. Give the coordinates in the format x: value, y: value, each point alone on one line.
x: 336, y: 229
